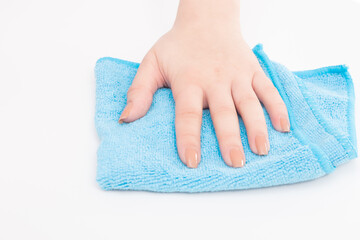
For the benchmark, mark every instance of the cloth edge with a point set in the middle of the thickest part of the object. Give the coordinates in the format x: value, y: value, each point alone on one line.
x: 350, y: 144
x: 321, y: 157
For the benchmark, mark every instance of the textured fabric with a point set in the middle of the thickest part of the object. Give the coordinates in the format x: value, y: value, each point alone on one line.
x: 142, y: 155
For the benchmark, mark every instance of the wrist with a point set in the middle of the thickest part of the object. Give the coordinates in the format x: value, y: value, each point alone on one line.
x: 210, y: 13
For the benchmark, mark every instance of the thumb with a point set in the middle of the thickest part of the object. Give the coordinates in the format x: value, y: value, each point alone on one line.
x: 140, y: 94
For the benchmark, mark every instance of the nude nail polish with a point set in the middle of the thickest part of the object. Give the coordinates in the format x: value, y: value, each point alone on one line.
x: 285, y: 125
x: 261, y: 145
x: 125, y: 113
x: 237, y: 158
x: 191, y: 158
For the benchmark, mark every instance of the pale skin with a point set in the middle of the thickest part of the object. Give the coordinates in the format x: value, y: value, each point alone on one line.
x: 207, y: 64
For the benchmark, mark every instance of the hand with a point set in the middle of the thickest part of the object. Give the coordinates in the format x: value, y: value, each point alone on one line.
x: 207, y: 64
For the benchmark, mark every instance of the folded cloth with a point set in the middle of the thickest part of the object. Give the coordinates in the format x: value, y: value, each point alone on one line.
x: 142, y: 155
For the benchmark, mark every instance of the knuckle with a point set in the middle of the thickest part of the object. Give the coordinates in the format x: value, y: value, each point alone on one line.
x: 273, y: 98
x: 259, y: 73
x: 138, y: 90
x: 271, y: 90
x: 222, y: 110
x: 187, y: 138
x: 278, y: 106
x: 229, y: 137
x: 247, y: 99
x: 186, y: 135
x: 280, y: 103
x: 259, y: 125
x: 215, y: 88
x: 189, y: 114
x: 190, y: 89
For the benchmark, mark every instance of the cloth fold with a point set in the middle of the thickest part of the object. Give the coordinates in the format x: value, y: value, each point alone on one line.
x: 142, y: 155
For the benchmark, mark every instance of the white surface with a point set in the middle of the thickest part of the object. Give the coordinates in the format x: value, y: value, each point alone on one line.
x: 48, y: 141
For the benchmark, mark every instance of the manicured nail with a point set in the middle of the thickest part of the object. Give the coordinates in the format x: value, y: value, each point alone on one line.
x: 125, y: 113
x: 285, y: 125
x: 237, y: 158
x: 261, y: 145
x: 191, y: 158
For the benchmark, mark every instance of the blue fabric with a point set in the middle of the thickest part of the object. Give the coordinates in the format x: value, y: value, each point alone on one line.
x: 142, y: 155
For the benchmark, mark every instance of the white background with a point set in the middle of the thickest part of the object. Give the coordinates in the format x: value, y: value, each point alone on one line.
x: 48, y: 142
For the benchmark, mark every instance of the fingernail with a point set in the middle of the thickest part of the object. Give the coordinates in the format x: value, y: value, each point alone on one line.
x: 125, y: 113
x: 237, y: 158
x: 261, y: 145
x: 191, y: 158
x: 285, y: 125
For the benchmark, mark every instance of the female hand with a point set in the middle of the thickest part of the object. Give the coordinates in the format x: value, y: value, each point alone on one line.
x: 207, y: 64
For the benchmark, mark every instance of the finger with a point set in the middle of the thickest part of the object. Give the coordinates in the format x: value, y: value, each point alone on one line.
x: 249, y: 108
x: 270, y: 97
x: 188, y: 117
x: 140, y: 94
x: 226, y: 124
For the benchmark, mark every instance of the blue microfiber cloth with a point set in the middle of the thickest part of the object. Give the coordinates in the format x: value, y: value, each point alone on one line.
x: 142, y: 155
